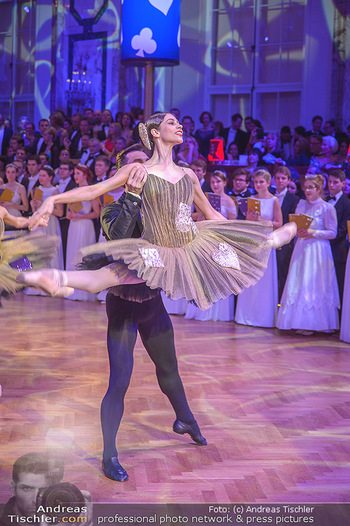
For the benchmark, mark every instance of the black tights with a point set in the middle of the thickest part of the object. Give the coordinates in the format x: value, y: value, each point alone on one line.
x: 152, y: 321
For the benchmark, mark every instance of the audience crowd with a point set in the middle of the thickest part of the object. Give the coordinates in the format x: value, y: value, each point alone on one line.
x: 293, y: 171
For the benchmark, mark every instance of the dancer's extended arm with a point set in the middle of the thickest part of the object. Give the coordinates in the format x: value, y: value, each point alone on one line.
x: 17, y: 222
x: 201, y: 201
x: 88, y: 193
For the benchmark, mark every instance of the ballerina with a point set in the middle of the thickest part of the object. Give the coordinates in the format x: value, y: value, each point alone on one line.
x: 202, y: 263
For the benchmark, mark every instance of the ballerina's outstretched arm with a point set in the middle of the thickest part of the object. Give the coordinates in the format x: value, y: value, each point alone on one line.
x: 88, y: 193
x: 17, y: 222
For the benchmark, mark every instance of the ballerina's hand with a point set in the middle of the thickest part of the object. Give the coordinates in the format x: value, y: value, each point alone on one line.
x: 137, y: 178
x: 43, y: 212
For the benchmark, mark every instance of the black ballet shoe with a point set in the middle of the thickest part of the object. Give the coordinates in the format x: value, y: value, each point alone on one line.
x: 114, y: 470
x: 193, y: 430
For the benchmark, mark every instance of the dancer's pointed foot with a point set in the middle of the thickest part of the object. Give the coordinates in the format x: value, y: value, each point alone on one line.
x: 114, y: 470
x: 282, y: 236
x: 48, y: 280
x: 193, y: 430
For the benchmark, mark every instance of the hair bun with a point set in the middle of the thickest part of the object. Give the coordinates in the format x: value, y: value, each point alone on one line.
x: 144, y: 136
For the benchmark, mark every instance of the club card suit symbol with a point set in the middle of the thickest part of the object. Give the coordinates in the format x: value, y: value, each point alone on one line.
x: 162, y: 5
x: 144, y: 42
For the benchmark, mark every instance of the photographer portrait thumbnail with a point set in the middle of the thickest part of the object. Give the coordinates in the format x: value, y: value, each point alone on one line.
x: 34, y: 477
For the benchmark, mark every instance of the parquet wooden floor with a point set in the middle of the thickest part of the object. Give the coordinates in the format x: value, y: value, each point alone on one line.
x: 274, y: 407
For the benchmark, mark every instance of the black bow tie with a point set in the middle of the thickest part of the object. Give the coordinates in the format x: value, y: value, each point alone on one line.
x: 331, y: 198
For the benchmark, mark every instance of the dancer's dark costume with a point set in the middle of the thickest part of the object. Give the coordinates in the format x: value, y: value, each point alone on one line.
x: 130, y: 309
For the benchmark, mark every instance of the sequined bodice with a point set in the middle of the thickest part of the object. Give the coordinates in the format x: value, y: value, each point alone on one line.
x: 166, y: 211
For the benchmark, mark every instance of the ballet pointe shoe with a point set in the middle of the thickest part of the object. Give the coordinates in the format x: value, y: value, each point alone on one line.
x: 193, y: 430
x: 48, y: 280
x: 282, y: 236
x: 114, y: 470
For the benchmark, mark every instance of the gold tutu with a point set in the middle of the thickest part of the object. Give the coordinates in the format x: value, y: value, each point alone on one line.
x: 25, y: 252
x: 201, y: 262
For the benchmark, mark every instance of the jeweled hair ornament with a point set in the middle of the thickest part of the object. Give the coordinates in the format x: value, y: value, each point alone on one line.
x: 144, y: 136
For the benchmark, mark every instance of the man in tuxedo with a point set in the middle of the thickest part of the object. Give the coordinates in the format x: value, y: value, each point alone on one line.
x: 5, y: 136
x: 107, y: 119
x: 288, y: 203
x: 102, y: 166
x: 77, y: 144
x: 240, y: 181
x: 336, y: 182
x: 317, y: 121
x: 132, y: 309
x: 75, y: 135
x: 95, y: 151
x: 44, y: 125
x: 32, y: 181
x: 235, y: 134
x: 199, y: 166
x: 65, y: 183
x: 84, y: 153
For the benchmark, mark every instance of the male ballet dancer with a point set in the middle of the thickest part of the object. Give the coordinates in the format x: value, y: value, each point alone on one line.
x: 132, y: 308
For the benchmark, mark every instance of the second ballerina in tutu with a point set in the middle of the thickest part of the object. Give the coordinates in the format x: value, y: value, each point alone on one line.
x: 202, y: 263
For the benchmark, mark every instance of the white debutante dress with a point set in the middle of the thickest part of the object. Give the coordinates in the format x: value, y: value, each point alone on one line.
x: 52, y: 229
x: 257, y: 305
x: 16, y: 200
x: 345, y: 315
x: 223, y: 310
x: 81, y: 232
x: 310, y: 299
x: 174, y: 306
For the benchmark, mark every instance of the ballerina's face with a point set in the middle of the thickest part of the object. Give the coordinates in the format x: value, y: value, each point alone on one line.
x: 170, y: 130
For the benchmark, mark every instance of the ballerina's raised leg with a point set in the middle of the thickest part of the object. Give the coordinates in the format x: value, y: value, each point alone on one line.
x: 282, y: 236
x: 61, y: 283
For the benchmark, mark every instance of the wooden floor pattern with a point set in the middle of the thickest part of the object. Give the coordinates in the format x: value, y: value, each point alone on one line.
x: 274, y: 407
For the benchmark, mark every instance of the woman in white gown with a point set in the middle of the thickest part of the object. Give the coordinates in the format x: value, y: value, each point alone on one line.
x: 223, y: 310
x: 310, y: 300
x: 19, y: 201
x: 46, y: 176
x: 257, y: 305
x: 345, y: 316
x: 81, y: 231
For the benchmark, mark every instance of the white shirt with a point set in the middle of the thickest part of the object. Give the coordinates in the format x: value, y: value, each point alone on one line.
x: 62, y: 184
x: 84, y: 157
x: 31, y: 184
x: 281, y: 196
